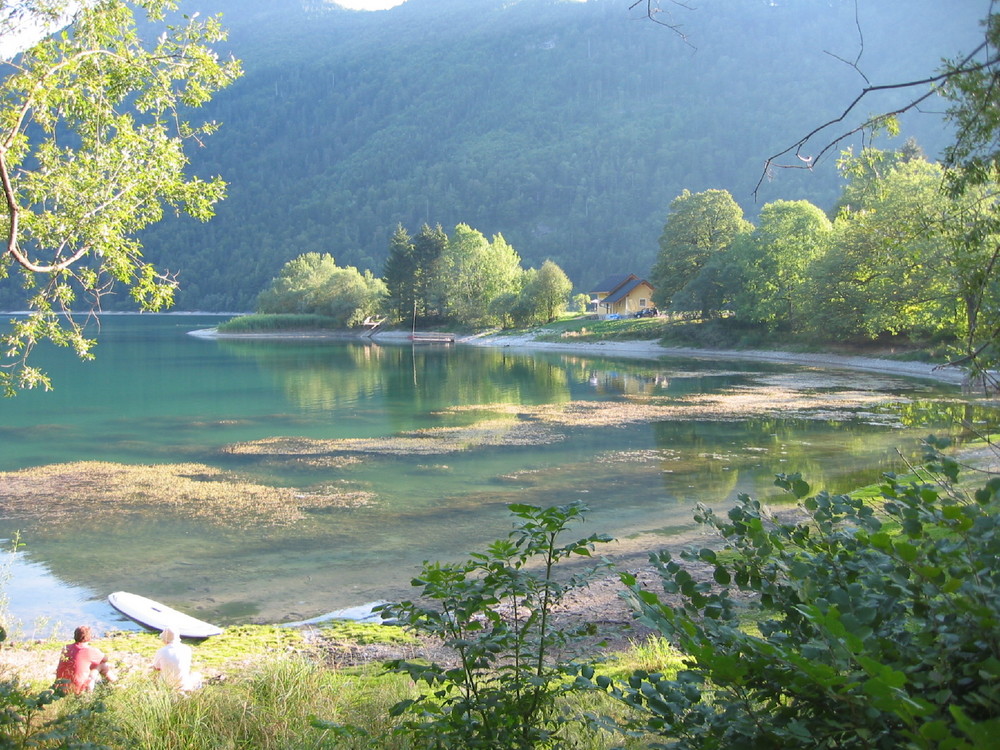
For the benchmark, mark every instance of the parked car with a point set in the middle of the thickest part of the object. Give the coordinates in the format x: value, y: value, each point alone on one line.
x: 647, y: 312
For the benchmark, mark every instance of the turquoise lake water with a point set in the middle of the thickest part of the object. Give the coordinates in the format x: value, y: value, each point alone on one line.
x: 453, y: 435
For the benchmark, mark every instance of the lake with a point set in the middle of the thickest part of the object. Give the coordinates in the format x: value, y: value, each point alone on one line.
x: 261, y: 480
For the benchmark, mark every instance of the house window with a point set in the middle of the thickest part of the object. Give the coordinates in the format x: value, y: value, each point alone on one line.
x: 642, y: 302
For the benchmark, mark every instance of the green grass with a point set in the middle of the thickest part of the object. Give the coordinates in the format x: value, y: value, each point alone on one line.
x: 652, y: 654
x: 276, y: 323
x: 582, y: 329
x: 728, y: 333
x: 267, y: 706
x: 364, y: 634
x: 272, y: 704
x: 276, y: 693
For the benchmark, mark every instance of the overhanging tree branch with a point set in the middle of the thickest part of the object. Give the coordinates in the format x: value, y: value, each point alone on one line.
x: 966, y: 66
x: 91, y: 152
x: 653, y: 12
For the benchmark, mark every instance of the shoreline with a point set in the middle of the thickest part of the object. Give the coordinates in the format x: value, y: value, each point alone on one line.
x: 654, y: 350
x: 638, y: 349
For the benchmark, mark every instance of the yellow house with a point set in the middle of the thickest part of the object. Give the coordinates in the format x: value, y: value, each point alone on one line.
x: 624, y: 295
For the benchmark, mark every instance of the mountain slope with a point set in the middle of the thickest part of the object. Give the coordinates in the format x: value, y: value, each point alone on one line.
x: 566, y: 126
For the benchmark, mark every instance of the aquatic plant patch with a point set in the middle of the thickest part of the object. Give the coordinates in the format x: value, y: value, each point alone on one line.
x: 58, y: 493
x: 432, y: 441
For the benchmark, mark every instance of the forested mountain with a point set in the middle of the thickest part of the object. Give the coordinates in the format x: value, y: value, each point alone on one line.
x: 566, y: 126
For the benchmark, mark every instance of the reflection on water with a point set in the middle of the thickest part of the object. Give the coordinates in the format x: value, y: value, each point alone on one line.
x: 434, y: 440
x: 324, y: 376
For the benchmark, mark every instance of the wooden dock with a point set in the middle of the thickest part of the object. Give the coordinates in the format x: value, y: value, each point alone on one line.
x: 432, y: 338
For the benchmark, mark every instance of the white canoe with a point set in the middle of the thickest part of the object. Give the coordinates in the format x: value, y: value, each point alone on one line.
x: 156, y: 616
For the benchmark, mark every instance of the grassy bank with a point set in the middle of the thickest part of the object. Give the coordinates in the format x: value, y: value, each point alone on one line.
x: 265, y: 687
x: 279, y: 323
x: 669, y: 330
x: 727, y: 333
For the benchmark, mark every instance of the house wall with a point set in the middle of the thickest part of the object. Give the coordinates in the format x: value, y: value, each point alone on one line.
x: 637, y: 299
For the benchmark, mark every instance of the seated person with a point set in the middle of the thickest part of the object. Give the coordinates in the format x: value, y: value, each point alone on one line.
x: 173, y: 662
x: 81, y: 665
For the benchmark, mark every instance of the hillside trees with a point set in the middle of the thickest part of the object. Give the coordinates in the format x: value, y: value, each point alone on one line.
x: 699, y: 225
x: 93, y: 130
x: 355, y: 124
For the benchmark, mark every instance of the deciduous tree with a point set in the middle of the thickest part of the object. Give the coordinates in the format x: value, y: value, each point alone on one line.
x: 549, y: 290
x: 972, y: 164
x: 699, y: 225
x: 472, y: 272
x: 93, y: 127
x: 887, y: 269
x: 773, y: 264
x: 313, y: 283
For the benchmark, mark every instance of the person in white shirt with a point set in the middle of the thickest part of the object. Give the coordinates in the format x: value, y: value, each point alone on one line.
x: 173, y: 662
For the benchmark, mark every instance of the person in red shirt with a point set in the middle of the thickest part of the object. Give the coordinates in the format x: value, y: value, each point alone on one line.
x: 80, y: 664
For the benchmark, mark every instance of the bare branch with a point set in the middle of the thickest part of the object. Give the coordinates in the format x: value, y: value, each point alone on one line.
x: 653, y: 12
x: 808, y: 162
x: 855, y: 64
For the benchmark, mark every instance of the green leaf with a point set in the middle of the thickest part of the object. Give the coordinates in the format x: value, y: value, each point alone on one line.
x: 722, y: 576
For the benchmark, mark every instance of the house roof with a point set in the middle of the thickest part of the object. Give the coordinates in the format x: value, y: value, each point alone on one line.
x: 623, y: 291
x: 611, y: 283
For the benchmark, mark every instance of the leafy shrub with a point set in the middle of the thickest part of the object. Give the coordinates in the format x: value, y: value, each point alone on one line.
x: 871, y: 625
x: 495, y: 611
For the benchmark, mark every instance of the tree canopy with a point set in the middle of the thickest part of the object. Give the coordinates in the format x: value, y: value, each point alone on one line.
x: 904, y: 257
x: 468, y: 280
x: 313, y: 284
x: 698, y: 226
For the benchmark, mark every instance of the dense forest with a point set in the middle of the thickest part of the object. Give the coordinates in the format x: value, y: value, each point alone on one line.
x: 568, y: 127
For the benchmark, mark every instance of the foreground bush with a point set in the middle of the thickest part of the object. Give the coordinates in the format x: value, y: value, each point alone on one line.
x: 877, y: 625
x: 495, y: 610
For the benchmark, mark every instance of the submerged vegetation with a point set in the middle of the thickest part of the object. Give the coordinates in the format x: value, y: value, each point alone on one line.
x: 59, y: 493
